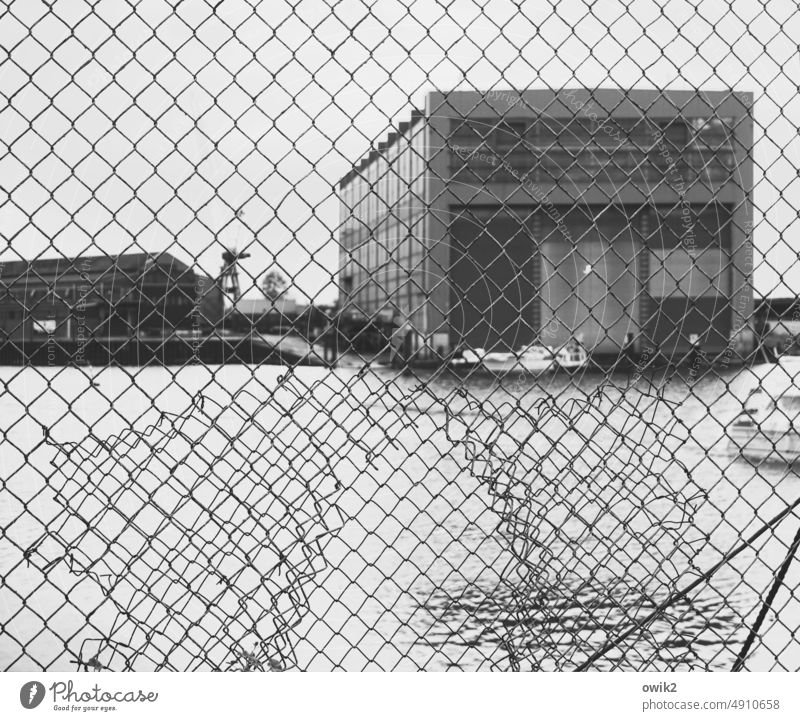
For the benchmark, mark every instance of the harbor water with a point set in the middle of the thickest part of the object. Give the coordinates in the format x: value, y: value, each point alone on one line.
x: 462, y: 524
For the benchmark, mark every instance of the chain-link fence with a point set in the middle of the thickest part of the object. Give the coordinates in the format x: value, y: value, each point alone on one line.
x: 346, y: 335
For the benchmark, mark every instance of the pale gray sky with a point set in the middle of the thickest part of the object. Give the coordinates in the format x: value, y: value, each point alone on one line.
x: 270, y: 103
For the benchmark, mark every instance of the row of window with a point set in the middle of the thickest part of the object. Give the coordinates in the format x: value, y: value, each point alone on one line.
x: 696, y: 225
x: 77, y: 293
x: 389, y: 233
x: 591, y: 166
x: 577, y: 133
x: 393, y: 174
x: 372, y: 209
x: 385, y: 246
x: 614, y: 149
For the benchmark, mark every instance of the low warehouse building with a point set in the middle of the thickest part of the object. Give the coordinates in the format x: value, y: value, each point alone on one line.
x: 618, y: 218
x: 72, y: 299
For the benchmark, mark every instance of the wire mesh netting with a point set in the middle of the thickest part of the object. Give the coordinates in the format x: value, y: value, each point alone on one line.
x: 344, y: 335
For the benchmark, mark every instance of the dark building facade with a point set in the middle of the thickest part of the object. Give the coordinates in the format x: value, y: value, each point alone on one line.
x: 618, y: 218
x: 102, y: 297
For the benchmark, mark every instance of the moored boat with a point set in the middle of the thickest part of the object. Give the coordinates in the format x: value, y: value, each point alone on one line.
x: 572, y: 357
x: 534, y: 359
x: 768, y: 429
x: 467, y: 359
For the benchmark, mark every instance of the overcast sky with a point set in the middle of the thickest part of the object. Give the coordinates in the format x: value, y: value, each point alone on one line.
x: 270, y: 103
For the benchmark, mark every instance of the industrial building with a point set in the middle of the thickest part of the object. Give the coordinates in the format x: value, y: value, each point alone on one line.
x: 123, y: 296
x: 620, y: 218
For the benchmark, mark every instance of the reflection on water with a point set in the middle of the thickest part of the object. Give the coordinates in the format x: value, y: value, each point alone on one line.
x: 606, y: 527
x: 595, y: 510
x: 561, y: 627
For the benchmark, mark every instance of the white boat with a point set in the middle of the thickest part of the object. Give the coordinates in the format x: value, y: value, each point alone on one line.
x: 467, y: 359
x: 529, y: 359
x: 768, y: 429
x: 572, y: 357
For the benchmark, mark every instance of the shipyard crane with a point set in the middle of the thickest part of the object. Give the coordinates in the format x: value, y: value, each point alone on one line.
x: 228, y: 278
x: 229, y: 274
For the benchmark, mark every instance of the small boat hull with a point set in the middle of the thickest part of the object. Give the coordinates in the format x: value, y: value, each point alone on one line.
x: 572, y: 359
x: 517, y: 366
x: 768, y: 429
x: 533, y: 362
x: 763, y: 444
